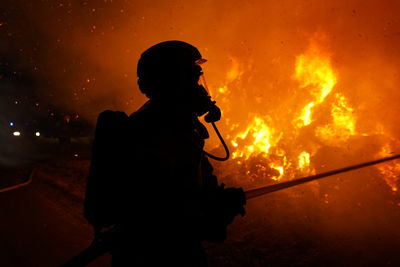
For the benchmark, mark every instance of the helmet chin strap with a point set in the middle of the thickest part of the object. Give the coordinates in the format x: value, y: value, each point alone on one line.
x: 223, y: 143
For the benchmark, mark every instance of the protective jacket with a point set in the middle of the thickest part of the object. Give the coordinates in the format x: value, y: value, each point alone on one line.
x: 169, y: 200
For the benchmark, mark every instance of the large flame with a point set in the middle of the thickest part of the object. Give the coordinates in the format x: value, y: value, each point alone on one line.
x: 261, y: 139
x: 265, y: 149
x: 313, y: 71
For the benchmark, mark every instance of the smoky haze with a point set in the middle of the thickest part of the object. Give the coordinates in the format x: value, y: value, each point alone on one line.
x: 82, y: 55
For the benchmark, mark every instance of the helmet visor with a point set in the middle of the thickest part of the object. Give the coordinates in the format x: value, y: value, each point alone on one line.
x: 202, y: 80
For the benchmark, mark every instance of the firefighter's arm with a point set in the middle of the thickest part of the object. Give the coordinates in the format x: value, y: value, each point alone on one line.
x: 223, y: 205
x: 232, y: 199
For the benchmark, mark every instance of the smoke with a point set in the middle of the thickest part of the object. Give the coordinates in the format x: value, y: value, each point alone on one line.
x: 82, y: 55
x: 86, y: 51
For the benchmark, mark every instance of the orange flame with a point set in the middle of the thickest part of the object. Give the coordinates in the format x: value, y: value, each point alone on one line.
x: 304, y: 160
x: 263, y: 149
x: 343, y: 125
x: 314, y: 70
x: 260, y: 137
x: 391, y: 170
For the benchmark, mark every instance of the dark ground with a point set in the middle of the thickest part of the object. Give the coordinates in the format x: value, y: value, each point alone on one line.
x: 42, y: 223
x: 40, y: 227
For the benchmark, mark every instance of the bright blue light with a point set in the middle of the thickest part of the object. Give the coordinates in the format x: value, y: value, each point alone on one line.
x: 11, y: 124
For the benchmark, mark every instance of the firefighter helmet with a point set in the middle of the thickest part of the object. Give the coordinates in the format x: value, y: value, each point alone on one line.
x: 167, y: 64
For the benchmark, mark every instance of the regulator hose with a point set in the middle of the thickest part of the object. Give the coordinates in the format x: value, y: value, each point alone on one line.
x: 223, y: 143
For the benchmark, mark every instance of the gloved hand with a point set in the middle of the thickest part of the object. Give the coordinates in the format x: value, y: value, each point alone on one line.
x: 226, y: 206
x: 232, y: 202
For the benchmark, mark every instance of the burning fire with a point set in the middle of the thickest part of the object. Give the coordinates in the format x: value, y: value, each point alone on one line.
x: 315, y: 72
x: 256, y: 141
x: 390, y: 171
x: 261, y: 141
x: 343, y: 125
x: 323, y: 116
x: 304, y: 160
x: 257, y: 138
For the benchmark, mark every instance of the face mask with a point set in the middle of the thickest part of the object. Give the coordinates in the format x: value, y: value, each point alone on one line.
x: 204, y: 104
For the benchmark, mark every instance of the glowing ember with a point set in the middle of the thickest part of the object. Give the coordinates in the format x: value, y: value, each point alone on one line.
x: 391, y: 170
x: 391, y: 174
x: 222, y: 89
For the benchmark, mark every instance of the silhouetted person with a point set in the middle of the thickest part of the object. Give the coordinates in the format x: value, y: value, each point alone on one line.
x: 149, y: 177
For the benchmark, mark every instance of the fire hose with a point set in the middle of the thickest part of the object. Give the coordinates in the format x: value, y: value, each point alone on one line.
x: 253, y: 193
x: 103, y: 245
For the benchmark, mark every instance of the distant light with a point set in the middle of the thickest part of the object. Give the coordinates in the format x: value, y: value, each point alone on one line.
x: 76, y: 155
x: 37, y: 134
x: 11, y: 124
x: 16, y: 133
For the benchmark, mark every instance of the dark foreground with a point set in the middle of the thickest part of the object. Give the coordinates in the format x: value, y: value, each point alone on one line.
x: 40, y: 227
x: 42, y: 223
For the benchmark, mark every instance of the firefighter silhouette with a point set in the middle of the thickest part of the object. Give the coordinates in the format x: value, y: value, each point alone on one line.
x: 150, y: 180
